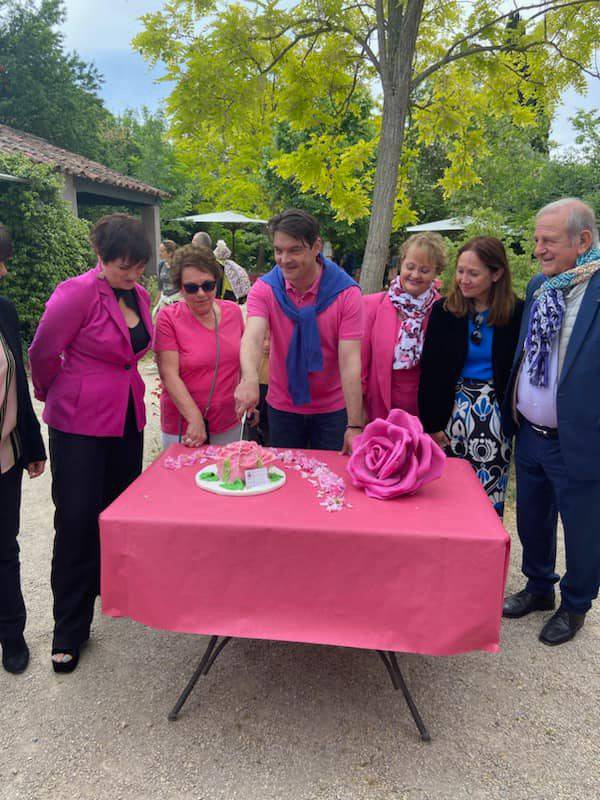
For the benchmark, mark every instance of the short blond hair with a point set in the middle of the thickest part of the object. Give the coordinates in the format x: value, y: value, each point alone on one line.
x: 432, y: 243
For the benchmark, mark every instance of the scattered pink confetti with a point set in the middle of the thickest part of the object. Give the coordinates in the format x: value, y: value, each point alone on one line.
x: 185, y: 460
x: 331, y: 488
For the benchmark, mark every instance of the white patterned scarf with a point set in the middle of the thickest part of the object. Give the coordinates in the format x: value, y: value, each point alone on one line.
x: 412, y: 311
x: 548, y: 311
x: 236, y: 275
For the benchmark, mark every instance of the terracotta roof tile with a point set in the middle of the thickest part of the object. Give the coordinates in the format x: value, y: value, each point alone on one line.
x: 39, y: 150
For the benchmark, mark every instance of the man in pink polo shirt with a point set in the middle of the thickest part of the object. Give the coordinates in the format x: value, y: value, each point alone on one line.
x: 313, y: 311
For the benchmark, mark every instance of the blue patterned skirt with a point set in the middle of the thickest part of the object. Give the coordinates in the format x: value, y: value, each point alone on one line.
x: 475, y: 433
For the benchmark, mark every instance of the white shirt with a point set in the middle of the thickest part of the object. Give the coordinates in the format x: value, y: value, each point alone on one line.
x: 538, y: 403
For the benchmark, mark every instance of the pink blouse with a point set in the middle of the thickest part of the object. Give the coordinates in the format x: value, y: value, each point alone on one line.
x: 177, y: 329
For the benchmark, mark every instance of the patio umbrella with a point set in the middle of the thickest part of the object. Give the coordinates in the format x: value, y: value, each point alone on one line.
x: 442, y: 225
x: 10, y: 178
x: 228, y: 219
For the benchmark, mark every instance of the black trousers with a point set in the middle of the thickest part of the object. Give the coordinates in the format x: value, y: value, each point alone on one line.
x: 12, y: 607
x: 88, y: 473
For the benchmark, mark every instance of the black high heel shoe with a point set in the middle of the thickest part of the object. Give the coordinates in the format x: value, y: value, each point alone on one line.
x: 65, y: 666
x: 15, y: 655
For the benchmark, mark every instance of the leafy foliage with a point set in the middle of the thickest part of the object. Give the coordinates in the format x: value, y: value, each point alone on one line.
x: 53, y: 94
x: 50, y: 243
x: 138, y: 144
x: 240, y: 71
x: 44, y: 90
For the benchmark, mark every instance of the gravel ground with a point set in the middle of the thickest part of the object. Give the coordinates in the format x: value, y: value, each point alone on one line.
x: 291, y: 721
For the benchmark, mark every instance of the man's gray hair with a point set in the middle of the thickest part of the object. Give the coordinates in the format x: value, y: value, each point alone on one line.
x: 581, y: 217
x: 202, y: 239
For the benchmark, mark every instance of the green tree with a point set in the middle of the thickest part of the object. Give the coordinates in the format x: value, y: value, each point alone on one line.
x: 516, y: 179
x: 50, y: 243
x: 44, y: 90
x: 287, y: 191
x: 512, y: 175
x: 578, y: 172
x: 138, y: 144
x: 239, y: 69
x: 226, y: 112
x: 587, y: 125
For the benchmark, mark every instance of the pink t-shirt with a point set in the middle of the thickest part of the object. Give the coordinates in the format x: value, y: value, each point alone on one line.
x: 178, y: 329
x: 342, y: 320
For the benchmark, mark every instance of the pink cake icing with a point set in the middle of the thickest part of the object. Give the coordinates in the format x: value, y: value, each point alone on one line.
x: 234, y: 459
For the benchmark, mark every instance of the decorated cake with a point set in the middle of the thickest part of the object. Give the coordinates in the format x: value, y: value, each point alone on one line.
x: 233, y: 461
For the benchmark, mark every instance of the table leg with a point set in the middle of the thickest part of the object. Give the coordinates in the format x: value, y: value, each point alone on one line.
x: 398, y: 682
x: 213, y: 650
x: 208, y: 659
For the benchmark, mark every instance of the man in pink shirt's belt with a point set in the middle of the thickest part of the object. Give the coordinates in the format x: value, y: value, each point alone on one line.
x: 313, y: 312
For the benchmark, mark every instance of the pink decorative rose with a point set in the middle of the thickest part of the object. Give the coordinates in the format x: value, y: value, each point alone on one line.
x: 393, y: 456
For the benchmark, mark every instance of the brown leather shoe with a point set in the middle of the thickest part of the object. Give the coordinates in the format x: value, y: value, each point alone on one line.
x: 522, y: 603
x: 561, y: 627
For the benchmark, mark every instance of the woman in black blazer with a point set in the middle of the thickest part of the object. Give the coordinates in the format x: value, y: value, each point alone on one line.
x: 21, y: 446
x: 467, y: 356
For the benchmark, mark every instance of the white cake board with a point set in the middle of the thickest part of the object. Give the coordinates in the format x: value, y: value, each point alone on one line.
x: 213, y: 486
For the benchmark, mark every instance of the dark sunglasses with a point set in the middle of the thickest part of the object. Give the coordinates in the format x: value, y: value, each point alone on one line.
x: 476, y: 334
x: 192, y: 288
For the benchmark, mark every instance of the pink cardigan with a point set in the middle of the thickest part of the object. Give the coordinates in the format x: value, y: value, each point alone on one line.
x: 82, y: 362
x: 377, y: 353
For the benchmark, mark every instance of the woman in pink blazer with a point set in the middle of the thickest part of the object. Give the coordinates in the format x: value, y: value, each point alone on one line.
x: 84, y: 357
x: 395, y: 324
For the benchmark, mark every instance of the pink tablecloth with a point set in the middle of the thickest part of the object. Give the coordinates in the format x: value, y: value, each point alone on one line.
x: 421, y: 574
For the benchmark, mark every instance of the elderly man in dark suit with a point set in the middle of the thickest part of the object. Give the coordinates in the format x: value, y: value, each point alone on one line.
x: 552, y: 404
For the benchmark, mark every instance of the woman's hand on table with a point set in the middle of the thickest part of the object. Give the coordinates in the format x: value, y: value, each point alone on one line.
x: 36, y: 468
x: 441, y: 439
x: 195, y: 434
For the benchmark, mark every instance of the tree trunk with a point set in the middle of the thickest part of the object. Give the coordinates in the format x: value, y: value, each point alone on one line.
x: 384, y: 193
x: 396, y: 77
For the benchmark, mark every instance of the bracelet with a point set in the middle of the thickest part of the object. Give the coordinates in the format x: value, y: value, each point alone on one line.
x: 355, y: 427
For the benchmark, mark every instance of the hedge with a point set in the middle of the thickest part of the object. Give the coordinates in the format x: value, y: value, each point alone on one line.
x: 50, y: 243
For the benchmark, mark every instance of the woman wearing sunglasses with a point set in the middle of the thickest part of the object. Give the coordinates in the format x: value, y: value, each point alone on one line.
x: 84, y: 358
x: 467, y: 356
x: 197, y: 346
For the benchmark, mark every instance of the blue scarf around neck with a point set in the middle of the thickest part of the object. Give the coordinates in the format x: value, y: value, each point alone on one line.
x: 305, y: 353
